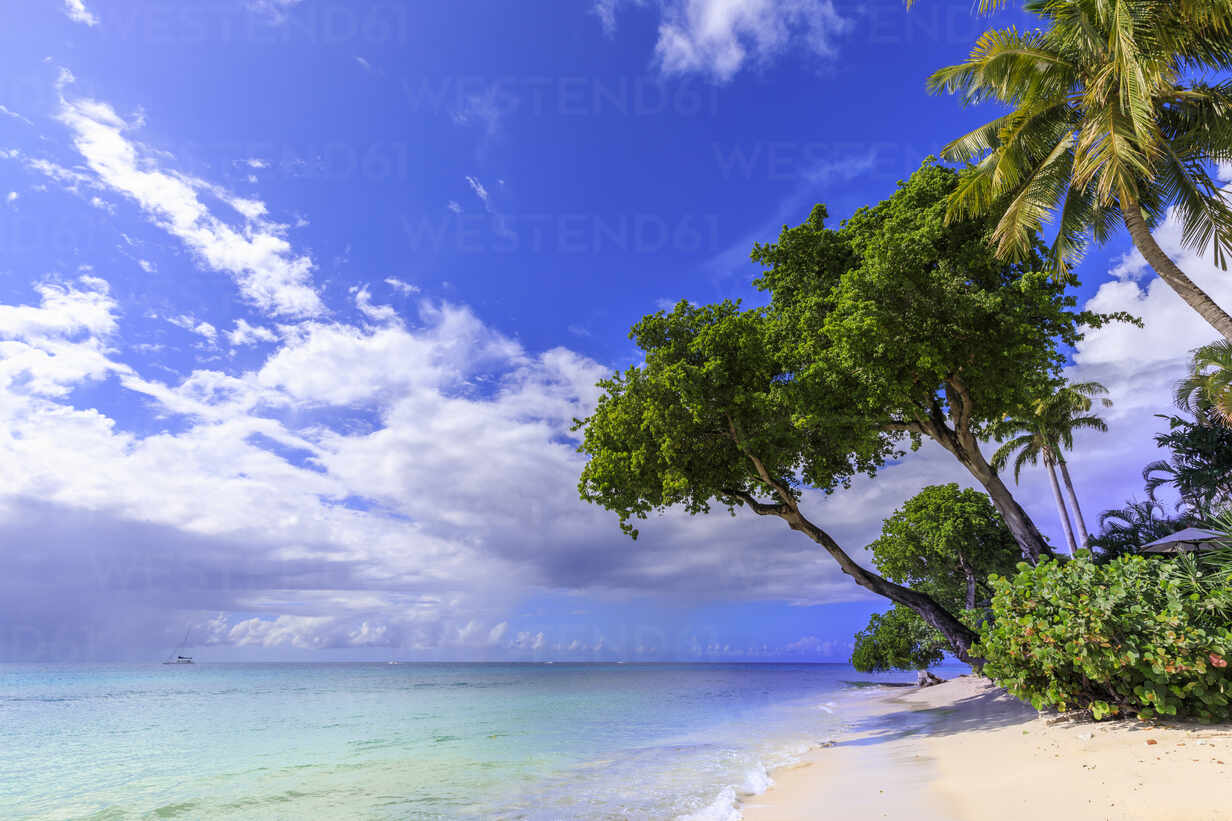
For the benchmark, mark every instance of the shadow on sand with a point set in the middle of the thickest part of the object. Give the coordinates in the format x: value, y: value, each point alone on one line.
x: 988, y: 710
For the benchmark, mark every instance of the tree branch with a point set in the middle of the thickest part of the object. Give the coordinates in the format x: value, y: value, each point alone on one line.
x: 760, y: 508
x: 779, y: 487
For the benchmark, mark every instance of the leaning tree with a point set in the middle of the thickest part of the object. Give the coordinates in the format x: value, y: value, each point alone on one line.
x: 944, y: 541
x: 921, y: 329
x: 711, y: 418
x: 893, y: 327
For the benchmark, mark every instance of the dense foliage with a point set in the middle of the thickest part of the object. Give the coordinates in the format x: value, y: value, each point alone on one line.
x: 946, y: 542
x: 1199, y: 467
x: 894, y: 326
x: 1136, y: 635
x: 917, y: 324
x: 1126, y: 529
x: 897, y: 640
x: 1111, y: 120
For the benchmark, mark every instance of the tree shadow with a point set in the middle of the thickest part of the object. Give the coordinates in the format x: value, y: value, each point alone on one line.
x: 989, y: 710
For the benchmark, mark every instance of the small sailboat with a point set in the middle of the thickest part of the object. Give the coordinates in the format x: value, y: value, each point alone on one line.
x: 175, y: 657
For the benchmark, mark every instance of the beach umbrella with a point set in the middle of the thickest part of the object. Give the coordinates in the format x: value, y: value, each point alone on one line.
x: 1184, y: 541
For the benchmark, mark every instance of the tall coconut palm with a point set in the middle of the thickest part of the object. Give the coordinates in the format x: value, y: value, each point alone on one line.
x: 1045, y: 434
x: 1105, y: 129
x: 1206, y: 392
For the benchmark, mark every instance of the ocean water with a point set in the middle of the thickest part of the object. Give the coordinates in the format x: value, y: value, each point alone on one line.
x: 407, y: 741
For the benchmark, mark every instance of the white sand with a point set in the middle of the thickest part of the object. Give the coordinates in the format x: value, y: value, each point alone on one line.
x: 966, y: 751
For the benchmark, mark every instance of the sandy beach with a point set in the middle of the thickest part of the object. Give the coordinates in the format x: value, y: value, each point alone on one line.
x: 967, y: 751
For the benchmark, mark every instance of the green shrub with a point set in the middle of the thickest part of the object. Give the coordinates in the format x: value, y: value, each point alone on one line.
x: 1132, y: 636
x: 897, y: 640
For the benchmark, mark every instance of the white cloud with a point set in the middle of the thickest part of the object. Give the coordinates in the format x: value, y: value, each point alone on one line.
x: 257, y: 162
x: 46, y: 350
x: 274, y: 10
x: 363, y: 63
x: 716, y: 38
x: 478, y: 188
x: 196, y: 326
x: 454, y: 206
x: 404, y: 288
x: 376, y: 313
x: 245, y: 334
x: 70, y: 179
x: 15, y: 115
x: 146, y: 266
x: 78, y: 13
x: 606, y: 10
x: 12, y: 197
x: 255, y: 253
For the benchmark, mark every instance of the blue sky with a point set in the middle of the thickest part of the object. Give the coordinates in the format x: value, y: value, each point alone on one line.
x: 299, y: 298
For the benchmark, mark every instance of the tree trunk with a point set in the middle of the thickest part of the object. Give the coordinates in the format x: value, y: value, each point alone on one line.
x: 1024, y: 531
x: 959, y: 636
x: 966, y: 569
x: 963, y: 444
x: 1168, y: 271
x: 1061, y: 511
x: 1083, y: 536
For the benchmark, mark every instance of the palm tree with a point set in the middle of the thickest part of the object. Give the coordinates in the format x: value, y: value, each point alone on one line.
x: 1207, y: 392
x: 1198, y: 467
x: 1045, y: 434
x: 1104, y: 129
x: 1125, y: 529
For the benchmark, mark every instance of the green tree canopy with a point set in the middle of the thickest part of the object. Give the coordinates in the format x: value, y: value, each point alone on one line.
x: 896, y: 640
x: 892, y: 327
x: 946, y: 541
x: 918, y: 326
x: 711, y: 418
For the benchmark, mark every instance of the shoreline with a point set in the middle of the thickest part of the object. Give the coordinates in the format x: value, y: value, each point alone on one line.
x: 966, y: 750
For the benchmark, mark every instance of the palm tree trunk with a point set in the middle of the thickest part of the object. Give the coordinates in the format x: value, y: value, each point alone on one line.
x: 1056, y: 493
x: 1185, y: 288
x: 1083, y: 536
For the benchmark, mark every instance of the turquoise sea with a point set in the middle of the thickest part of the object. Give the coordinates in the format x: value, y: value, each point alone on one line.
x: 407, y: 741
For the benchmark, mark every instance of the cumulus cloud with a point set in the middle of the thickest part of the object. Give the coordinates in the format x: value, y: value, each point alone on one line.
x: 78, y: 13
x: 376, y: 313
x: 716, y: 38
x: 193, y: 325
x: 246, y: 334
x: 49, y: 348
x: 255, y: 253
x: 414, y: 523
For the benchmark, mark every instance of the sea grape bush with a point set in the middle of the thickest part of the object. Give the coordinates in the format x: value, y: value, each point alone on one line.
x: 1131, y: 636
